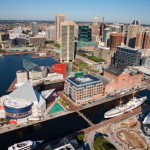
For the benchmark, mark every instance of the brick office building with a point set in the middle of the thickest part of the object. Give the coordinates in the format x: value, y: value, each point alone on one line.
x: 122, y: 80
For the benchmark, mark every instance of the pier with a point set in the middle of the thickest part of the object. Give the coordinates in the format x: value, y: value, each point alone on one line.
x: 85, y: 118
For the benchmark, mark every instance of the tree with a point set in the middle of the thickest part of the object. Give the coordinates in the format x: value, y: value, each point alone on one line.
x: 81, y: 136
x: 57, y: 45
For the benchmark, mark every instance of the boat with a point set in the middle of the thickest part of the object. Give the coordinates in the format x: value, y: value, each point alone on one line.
x: 132, y: 104
x: 25, y: 145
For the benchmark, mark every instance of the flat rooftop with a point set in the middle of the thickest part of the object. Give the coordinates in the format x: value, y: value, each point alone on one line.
x: 84, y: 80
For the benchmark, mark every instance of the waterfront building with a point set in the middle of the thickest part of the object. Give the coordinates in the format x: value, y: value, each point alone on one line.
x: 116, y: 39
x: 125, y: 57
x: 23, y: 103
x: 35, y: 28
x: 106, y: 36
x: 37, y: 41
x: 4, y: 36
x: 122, y: 80
x: 19, y: 42
x: 95, y: 30
x: 61, y: 69
x: 51, y: 33
x: 133, y: 29
x: 58, y: 19
x: 102, y: 27
x: 84, y: 88
x: 67, y: 37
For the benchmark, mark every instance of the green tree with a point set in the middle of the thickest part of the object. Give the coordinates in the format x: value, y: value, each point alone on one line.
x: 57, y: 45
x: 80, y: 136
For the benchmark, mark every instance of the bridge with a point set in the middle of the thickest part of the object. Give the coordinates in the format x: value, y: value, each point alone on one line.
x: 85, y: 118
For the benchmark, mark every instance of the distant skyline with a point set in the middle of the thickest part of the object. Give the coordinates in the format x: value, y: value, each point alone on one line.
x: 123, y: 11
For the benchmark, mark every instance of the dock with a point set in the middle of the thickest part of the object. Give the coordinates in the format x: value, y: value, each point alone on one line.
x: 85, y: 118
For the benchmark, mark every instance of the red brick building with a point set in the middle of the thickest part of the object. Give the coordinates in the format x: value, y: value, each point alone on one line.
x: 121, y: 80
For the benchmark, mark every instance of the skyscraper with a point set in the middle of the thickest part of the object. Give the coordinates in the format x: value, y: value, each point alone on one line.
x: 106, y: 36
x: 133, y: 29
x: 51, y: 33
x: 140, y: 40
x: 115, y: 40
x: 67, y: 37
x: 85, y: 34
x: 35, y: 28
x: 102, y: 27
x: 147, y: 40
x: 95, y: 30
x: 58, y: 19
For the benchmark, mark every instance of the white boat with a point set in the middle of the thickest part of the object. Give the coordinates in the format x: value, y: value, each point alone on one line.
x: 25, y: 145
x: 1, y: 55
x: 132, y: 104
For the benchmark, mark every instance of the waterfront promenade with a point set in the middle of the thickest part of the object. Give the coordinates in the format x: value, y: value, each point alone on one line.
x: 49, y: 117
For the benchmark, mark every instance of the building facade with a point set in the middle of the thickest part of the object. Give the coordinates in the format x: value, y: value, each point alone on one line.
x: 4, y: 37
x: 147, y: 40
x: 95, y: 30
x: 61, y: 69
x: 37, y: 41
x: 122, y: 80
x: 35, y: 28
x: 84, y: 89
x: 51, y: 33
x: 67, y: 37
x: 115, y: 40
x: 102, y: 27
x: 58, y: 19
x: 106, y: 36
x: 125, y: 57
x: 133, y: 29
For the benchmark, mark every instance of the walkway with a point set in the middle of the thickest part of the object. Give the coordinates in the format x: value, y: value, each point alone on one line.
x: 85, y: 118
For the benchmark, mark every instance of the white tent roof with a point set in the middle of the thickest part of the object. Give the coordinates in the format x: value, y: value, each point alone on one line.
x: 27, y: 92
x: 147, y: 119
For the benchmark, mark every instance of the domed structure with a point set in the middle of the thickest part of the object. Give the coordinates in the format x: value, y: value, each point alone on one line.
x: 135, y: 22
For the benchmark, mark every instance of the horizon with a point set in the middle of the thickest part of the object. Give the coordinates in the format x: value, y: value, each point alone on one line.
x: 82, y: 11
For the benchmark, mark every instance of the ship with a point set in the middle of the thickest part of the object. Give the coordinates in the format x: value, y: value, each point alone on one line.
x: 132, y: 104
x: 25, y: 145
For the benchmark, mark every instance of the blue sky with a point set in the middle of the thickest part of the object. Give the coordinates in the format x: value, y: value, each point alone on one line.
x: 78, y: 10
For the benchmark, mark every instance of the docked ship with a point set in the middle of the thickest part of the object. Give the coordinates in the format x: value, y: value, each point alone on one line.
x: 25, y: 145
x: 132, y: 104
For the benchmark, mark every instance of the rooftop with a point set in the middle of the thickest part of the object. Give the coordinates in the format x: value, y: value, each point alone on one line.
x: 83, y: 80
x: 114, y: 71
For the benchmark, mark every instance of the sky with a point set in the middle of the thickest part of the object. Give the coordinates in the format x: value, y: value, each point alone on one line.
x: 118, y: 11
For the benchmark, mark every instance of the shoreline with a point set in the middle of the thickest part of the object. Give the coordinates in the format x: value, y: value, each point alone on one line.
x: 47, y: 117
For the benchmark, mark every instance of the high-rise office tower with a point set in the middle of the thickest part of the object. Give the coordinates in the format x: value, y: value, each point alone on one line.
x: 106, y: 36
x: 51, y: 33
x: 133, y: 29
x: 115, y: 40
x: 58, y: 19
x: 95, y: 30
x: 140, y: 36
x: 85, y: 34
x: 35, y: 28
x: 102, y: 27
x: 67, y: 37
x: 147, y: 40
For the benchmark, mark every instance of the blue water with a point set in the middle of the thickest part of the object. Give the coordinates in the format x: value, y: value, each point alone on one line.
x: 10, y: 64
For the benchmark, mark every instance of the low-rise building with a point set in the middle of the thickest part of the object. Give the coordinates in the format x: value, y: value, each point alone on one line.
x: 84, y: 89
x: 122, y: 80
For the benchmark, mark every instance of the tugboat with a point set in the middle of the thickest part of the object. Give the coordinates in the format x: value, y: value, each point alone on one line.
x: 25, y: 145
x: 132, y: 104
